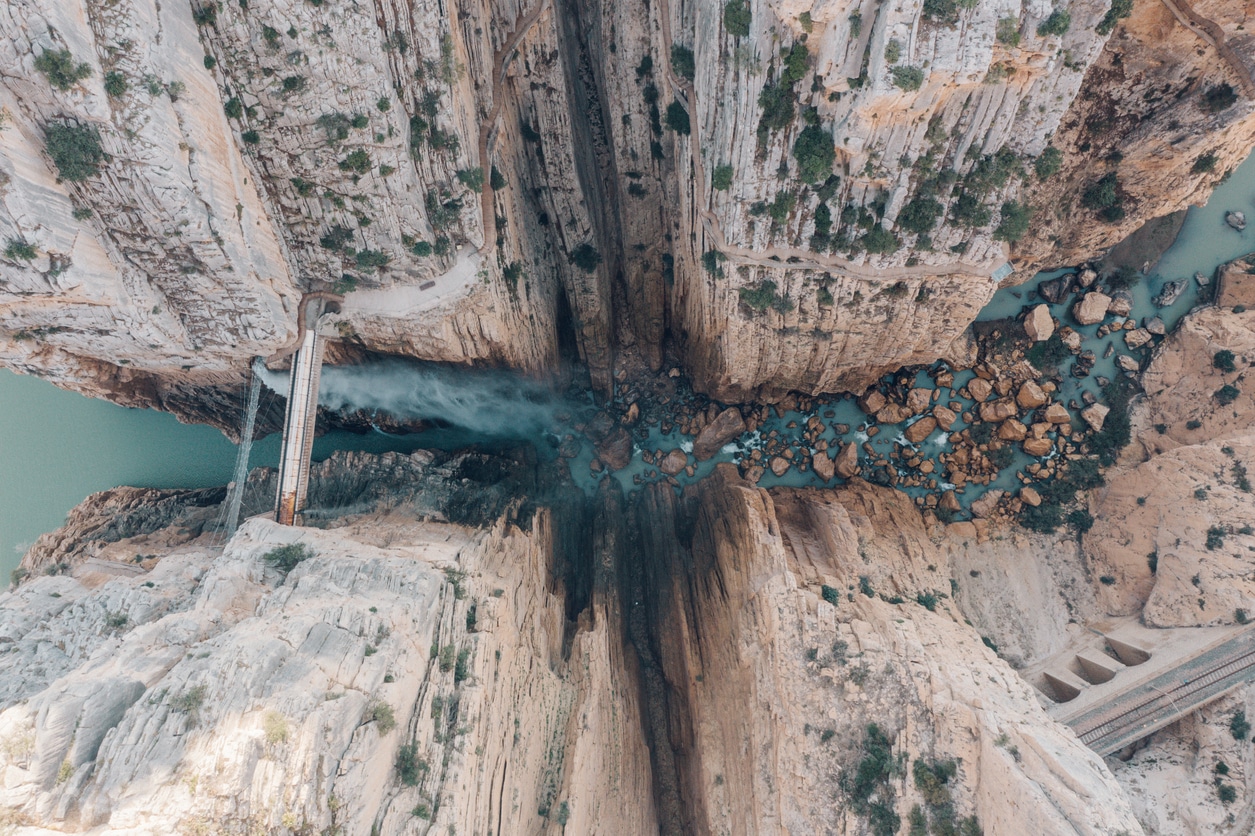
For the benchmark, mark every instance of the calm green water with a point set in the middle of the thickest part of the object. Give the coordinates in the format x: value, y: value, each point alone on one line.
x: 57, y: 447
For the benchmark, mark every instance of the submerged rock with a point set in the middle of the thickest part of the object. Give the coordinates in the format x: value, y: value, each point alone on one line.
x: 1235, y: 219
x: 1170, y: 294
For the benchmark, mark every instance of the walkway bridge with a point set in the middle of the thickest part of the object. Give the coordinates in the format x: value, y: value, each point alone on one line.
x: 1125, y: 681
x: 302, y: 412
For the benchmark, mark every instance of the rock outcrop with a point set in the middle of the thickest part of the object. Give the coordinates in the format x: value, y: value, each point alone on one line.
x: 483, y: 182
x: 394, y: 666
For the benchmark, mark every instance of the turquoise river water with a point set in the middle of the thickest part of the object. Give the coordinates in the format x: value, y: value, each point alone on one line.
x: 57, y: 447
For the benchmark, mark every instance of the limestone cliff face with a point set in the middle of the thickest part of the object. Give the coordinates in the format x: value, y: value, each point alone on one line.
x: 774, y: 657
x: 489, y: 179
x: 524, y: 674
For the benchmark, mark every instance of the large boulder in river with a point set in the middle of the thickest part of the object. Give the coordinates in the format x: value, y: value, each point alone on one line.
x: 1095, y: 415
x: 615, y: 449
x: 727, y: 426
x: 1012, y: 430
x: 674, y: 462
x: 822, y: 464
x: 1030, y: 395
x: 1171, y: 292
x: 1038, y: 447
x: 1038, y: 324
x: 918, y: 399
x: 872, y: 401
x: 1055, y: 291
x: 921, y: 429
x: 1121, y: 303
x: 998, y: 411
x: 1091, y: 308
x: 1057, y: 413
x: 979, y: 388
x: 945, y: 417
x: 847, y: 461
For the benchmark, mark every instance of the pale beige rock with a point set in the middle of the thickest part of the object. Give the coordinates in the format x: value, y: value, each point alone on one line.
x: 823, y: 466
x: 872, y: 401
x: 1091, y: 308
x: 980, y: 389
x: 1012, y: 430
x: 918, y: 400
x: 847, y: 460
x: 1038, y: 324
x: 1057, y: 413
x: 945, y: 417
x: 674, y: 462
x: 1127, y: 363
x: 727, y: 426
x: 1137, y: 337
x: 1029, y: 496
x: 920, y: 430
x: 1030, y: 395
x: 984, y: 506
x: 997, y: 411
x: 1038, y: 446
x: 779, y: 465
x: 1095, y: 415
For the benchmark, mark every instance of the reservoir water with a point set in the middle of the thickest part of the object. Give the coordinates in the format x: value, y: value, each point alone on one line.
x: 57, y: 447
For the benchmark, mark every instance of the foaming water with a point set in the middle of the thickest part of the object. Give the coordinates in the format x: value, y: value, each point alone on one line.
x: 490, y: 404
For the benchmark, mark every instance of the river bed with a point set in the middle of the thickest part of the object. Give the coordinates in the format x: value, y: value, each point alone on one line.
x: 58, y: 447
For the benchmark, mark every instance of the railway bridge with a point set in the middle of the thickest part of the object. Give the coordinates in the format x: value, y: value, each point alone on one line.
x: 1126, y: 681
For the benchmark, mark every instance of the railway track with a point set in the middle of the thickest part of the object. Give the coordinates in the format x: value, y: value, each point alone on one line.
x: 1108, y: 733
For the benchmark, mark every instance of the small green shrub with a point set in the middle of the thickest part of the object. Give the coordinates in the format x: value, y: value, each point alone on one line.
x: 234, y: 108
x: 1008, y: 31
x: 206, y: 15
x: 737, y: 18
x: 1227, y: 394
x: 287, y: 557
x: 815, y: 154
x: 75, y: 150
x: 421, y: 248
x: 382, y: 715
x: 472, y: 178
x: 209, y: 61
x: 1119, y: 10
x: 677, y: 118
x: 1215, y: 537
x: 251, y: 137
x: 721, y: 178
x: 682, y: 61
x: 357, y: 161
x: 1219, y: 97
x: 586, y: 257
x: 893, y: 52
x: 1013, y: 223
x: 1057, y: 24
x: 1102, y: 194
x: 830, y: 594
x: 908, y: 78
x: 879, y: 240
x: 371, y: 259
x: 1205, y: 163
x: 408, y: 765
x: 920, y: 214
x: 1048, y: 162
x: 60, y: 68
x: 116, y: 84
x: 19, y: 250
x: 1238, y: 726
x: 1223, y: 360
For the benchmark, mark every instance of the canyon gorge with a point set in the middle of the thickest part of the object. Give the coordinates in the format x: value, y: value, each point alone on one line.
x: 777, y: 264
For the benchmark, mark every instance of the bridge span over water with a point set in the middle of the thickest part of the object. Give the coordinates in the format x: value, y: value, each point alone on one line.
x: 302, y: 410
